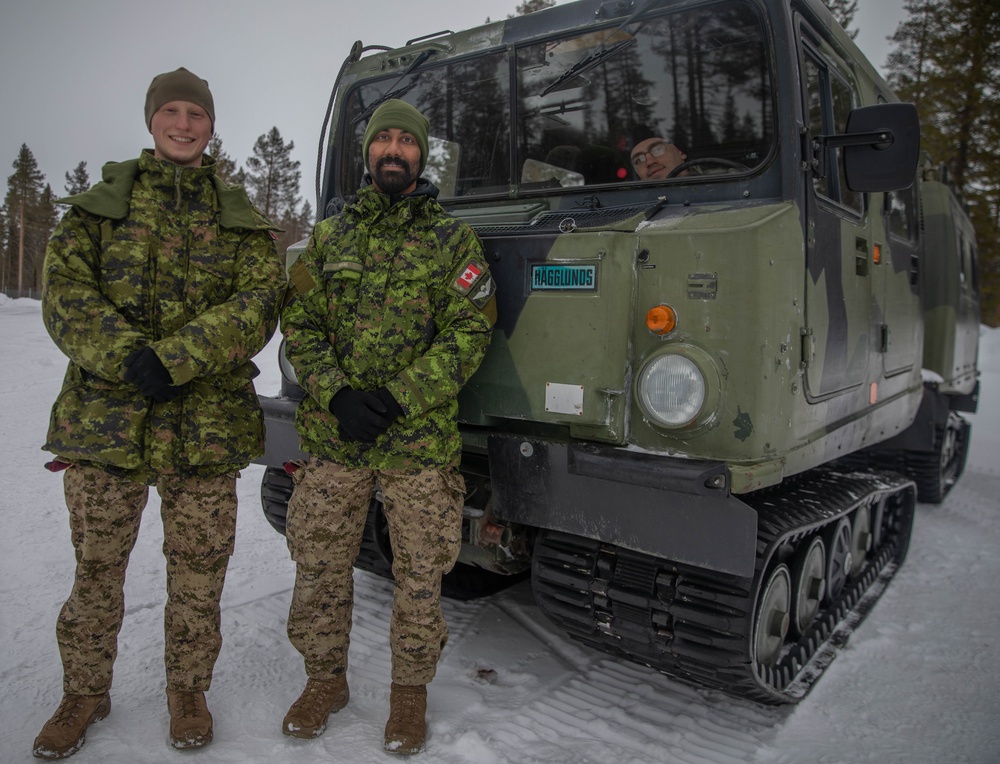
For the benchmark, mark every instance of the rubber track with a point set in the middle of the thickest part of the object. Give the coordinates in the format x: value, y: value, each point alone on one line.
x: 697, y: 625
x: 925, y: 468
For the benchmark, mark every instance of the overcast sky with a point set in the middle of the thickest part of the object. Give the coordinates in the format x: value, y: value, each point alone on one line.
x: 74, y: 73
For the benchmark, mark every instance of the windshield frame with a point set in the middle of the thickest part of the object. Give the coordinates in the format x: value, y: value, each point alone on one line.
x: 508, y: 58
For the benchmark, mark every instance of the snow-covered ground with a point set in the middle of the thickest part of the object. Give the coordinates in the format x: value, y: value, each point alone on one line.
x: 916, y: 683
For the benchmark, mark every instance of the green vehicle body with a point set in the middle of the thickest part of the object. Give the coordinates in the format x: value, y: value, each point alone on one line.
x: 816, y: 312
x: 933, y: 449
x: 951, y: 291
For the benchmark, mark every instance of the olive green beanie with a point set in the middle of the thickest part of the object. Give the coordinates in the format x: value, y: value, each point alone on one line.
x: 402, y: 116
x: 178, y: 85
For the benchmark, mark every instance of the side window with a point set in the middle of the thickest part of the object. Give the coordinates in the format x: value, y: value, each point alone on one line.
x: 830, y: 99
x: 963, y: 256
x: 843, y: 102
x: 815, y: 88
x: 974, y: 267
x: 902, y: 207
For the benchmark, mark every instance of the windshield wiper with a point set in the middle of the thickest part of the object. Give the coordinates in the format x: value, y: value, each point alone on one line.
x: 599, y: 55
x: 396, y: 92
x: 602, y: 53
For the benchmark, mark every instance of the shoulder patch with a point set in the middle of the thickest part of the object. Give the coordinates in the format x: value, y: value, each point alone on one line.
x: 468, y: 277
x: 300, y: 278
x: 483, y: 292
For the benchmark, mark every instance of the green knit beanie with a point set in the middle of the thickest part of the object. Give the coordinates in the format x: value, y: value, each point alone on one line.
x: 179, y: 85
x: 402, y: 116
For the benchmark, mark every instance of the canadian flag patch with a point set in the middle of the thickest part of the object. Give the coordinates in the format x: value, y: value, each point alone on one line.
x: 468, y: 277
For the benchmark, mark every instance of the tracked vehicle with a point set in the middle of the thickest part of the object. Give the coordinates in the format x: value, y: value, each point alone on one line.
x: 710, y: 398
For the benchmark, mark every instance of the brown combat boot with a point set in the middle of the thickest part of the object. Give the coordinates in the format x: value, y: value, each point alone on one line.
x: 406, y: 729
x: 190, y: 721
x: 307, y: 716
x: 66, y: 731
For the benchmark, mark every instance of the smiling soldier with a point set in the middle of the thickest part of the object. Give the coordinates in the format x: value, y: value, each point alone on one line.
x: 390, y: 312
x: 160, y: 284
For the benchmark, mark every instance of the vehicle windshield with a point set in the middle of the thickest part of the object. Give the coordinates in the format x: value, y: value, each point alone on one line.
x: 611, y: 106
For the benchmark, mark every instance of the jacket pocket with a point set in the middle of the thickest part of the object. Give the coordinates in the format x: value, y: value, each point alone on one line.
x: 342, y: 280
x: 222, y: 421
x: 210, y: 279
x: 347, y: 269
x: 98, y: 421
x: 412, y: 287
x: 124, y: 277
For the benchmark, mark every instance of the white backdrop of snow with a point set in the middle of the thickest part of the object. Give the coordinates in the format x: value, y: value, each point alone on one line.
x: 916, y: 683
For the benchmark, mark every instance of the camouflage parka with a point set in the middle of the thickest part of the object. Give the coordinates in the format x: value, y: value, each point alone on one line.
x: 396, y: 295
x: 168, y: 257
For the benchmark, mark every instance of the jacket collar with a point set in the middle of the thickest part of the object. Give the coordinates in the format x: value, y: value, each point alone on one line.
x: 375, y: 201
x: 110, y: 197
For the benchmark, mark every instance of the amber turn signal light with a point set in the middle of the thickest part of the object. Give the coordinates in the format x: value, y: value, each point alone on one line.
x: 661, y: 319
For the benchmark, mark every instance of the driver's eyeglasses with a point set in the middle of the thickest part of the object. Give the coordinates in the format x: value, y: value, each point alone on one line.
x: 656, y: 150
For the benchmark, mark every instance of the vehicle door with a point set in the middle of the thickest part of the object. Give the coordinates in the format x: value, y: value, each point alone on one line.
x: 898, y: 270
x: 837, y: 334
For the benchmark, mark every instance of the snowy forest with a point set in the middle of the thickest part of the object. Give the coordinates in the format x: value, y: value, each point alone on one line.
x: 944, y: 57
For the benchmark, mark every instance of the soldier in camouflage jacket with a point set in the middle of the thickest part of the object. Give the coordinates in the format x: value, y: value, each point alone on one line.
x: 390, y: 312
x: 169, y: 258
x: 395, y: 297
x: 160, y: 284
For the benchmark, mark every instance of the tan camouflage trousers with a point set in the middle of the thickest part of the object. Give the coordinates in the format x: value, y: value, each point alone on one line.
x: 326, y: 520
x: 199, y: 529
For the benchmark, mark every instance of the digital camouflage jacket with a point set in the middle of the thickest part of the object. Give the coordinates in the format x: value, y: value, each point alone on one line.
x: 394, y: 295
x: 168, y: 257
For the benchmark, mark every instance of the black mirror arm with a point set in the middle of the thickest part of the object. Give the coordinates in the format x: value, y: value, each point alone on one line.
x: 879, y: 139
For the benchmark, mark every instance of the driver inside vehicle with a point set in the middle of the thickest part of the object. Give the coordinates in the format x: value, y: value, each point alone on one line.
x: 655, y: 158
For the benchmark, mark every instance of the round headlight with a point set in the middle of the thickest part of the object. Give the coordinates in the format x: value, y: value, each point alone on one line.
x: 671, y: 390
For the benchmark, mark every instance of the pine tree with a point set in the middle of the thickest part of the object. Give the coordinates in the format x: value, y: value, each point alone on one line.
x: 26, y: 216
x: 77, y: 181
x: 272, y: 177
x: 947, y: 62
x: 3, y: 248
x: 909, y: 62
x: 240, y: 178
x: 297, y: 227
x: 43, y: 220
x: 272, y: 181
x: 843, y: 11
x: 225, y: 165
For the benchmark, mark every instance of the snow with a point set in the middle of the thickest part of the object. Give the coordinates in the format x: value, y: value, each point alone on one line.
x: 916, y: 682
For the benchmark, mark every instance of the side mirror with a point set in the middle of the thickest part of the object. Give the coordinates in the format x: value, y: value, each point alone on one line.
x: 883, y: 165
x: 881, y: 147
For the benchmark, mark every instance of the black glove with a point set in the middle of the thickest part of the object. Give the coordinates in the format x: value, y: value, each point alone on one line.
x: 145, y: 370
x: 362, y: 415
x: 393, y: 410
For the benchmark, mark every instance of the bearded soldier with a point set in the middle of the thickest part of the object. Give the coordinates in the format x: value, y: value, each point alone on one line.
x: 160, y: 284
x: 390, y: 312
